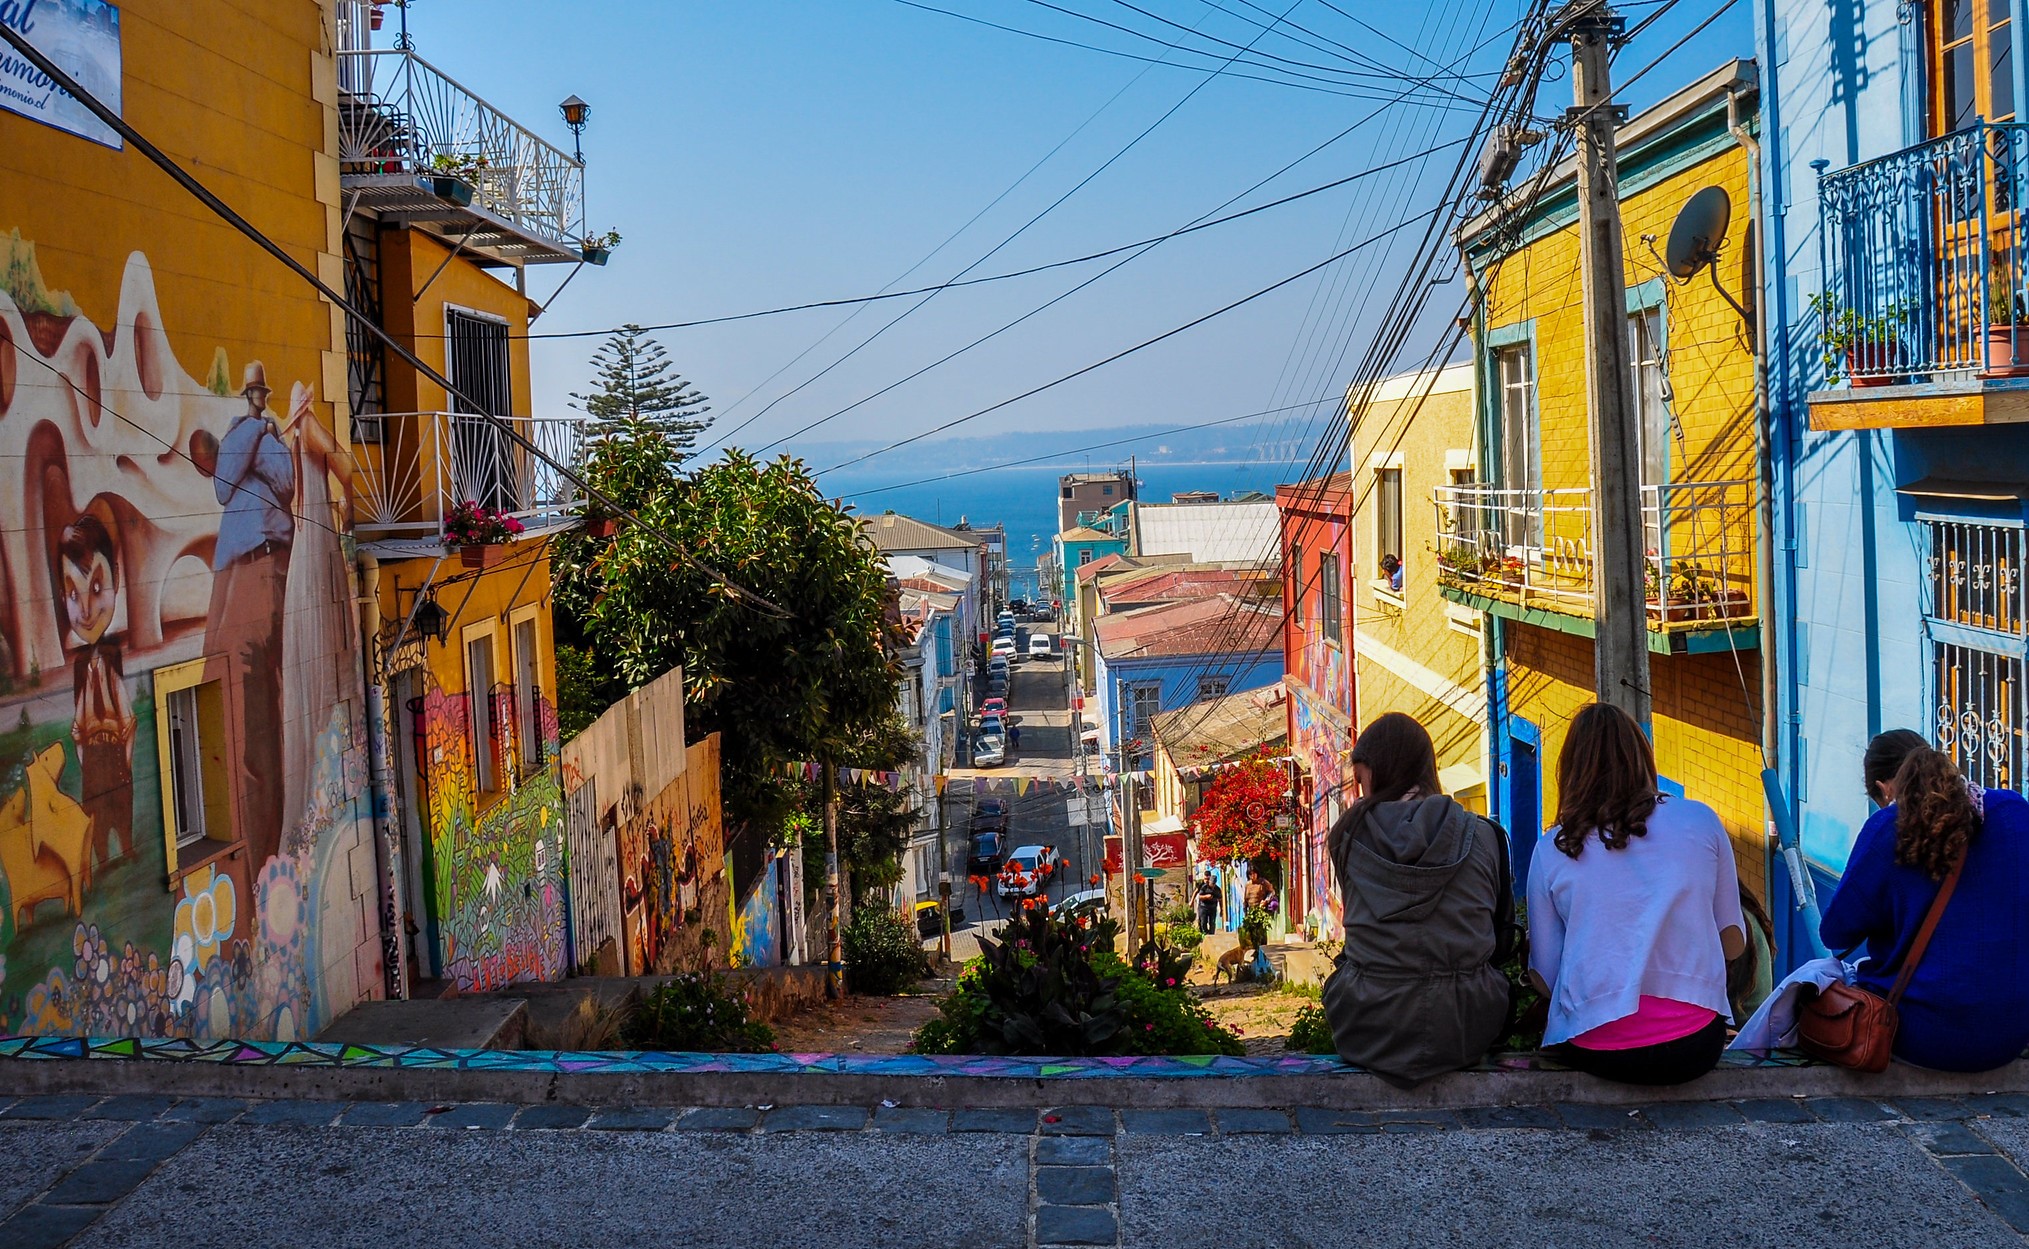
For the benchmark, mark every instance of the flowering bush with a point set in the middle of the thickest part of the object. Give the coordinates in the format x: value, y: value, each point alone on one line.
x: 473, y: 524
x: 1236, y: 820
x: 1311, y: 1032
x: 697, y: 1012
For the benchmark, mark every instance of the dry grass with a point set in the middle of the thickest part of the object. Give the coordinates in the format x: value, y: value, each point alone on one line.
x: 591, y: 1025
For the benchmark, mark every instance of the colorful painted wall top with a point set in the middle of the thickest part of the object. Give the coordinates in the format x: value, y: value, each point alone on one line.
x: 183, y: 846
x: 83, y: 38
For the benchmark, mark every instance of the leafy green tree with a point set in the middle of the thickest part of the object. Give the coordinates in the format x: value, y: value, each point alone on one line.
x: 807, y: 684
x: 639, y: 399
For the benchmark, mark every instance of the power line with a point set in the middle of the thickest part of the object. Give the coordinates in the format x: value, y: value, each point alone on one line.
x: 1049, y: 208
x: 232, y: 217
x: 1145, y: 343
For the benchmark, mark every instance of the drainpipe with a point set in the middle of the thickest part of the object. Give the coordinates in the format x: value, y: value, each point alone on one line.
x: 1788, y: 844
x: 380, y: 758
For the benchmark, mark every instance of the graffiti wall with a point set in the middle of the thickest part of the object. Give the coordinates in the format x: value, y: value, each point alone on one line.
x: 672, y: 862
x: 184, y: 834
x: 496, y: 866
x: 1321, y: 748
x: 757, y: 920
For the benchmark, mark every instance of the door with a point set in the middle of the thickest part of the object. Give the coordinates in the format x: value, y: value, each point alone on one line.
x: 482, y: 459
x: 1523, y: 810
x: 419, y: 921
x: 594, y: 860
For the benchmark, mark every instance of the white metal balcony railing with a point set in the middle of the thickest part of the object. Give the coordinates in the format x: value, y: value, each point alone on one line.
x: 1535, y: 548
x: 400, y: 115
x: 412, y: 468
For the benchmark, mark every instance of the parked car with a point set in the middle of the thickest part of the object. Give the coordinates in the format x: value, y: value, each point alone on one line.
x: 989, y: 752
x: 1084, y: 904
x: 1004, y: 646
x: 1005, y: 618
x: 993, y: 707
x: 930, y: 918
x: 984, y: 858
x: 991, y: 806
x: 992, y: 726
x: 1027, y: 871
x: 1040, y: 647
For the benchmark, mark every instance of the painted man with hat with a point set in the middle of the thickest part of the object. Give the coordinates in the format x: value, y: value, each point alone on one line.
x: 254, y: 477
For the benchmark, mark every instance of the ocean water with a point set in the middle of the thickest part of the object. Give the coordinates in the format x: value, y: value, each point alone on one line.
x: 1024, y: 498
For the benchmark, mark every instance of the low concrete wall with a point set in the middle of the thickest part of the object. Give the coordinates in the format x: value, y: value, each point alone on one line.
x: 1350, y: 1090
x: 775, y: 993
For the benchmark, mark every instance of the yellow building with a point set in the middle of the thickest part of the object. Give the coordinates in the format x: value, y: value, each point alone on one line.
x: 1414, y: 651
x: 1518, y: 545
x: 190, y: 848
x: 448, y: 203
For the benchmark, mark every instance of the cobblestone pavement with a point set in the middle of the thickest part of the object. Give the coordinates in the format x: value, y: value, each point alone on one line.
x: 125, y: 1171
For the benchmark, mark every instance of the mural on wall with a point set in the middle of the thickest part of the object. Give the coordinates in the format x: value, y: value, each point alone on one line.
x: 152, y: 519
x: 673, y: 893
x: 1323, y: 748
x: 497, y: 874
x: 757, y: 921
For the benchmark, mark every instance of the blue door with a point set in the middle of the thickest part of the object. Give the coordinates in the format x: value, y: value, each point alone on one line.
x: 1522, y: 785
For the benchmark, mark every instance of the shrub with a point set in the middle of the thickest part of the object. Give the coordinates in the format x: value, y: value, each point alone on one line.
x: 1311, y: 1033
x: 591, y: 1025
x: 1254, y: 927
x: 1163, y: 1018
x: 697, y: 1011
x: 882, y: 954
x: 1163, y: 964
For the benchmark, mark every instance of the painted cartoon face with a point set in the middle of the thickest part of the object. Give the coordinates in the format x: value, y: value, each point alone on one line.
x: 89, y: 597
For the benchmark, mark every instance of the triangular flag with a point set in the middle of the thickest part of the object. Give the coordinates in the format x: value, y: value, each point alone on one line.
x: 1022, y: 786
x: 942, y: 781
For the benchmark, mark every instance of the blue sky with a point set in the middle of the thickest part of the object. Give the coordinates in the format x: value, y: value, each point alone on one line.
x: 756, y: 153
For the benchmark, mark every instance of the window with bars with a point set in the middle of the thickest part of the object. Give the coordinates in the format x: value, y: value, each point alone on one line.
x: 1979, y: 632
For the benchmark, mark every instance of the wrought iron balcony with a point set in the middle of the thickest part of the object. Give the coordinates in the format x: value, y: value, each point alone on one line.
x: 1521, y: 551
x: 412, y: 468
x: 1923, y: 263
x: 416, y: 146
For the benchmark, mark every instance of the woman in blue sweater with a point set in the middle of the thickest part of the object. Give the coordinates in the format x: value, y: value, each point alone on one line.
x: 1967, y: 1005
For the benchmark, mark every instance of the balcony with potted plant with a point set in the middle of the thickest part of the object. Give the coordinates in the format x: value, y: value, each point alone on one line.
x: 1924, y: 316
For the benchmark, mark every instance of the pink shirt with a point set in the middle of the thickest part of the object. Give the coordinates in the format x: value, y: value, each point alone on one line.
x: 1656, y: 1020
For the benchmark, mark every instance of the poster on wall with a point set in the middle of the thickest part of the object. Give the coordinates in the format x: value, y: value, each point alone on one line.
x: 83, y: 38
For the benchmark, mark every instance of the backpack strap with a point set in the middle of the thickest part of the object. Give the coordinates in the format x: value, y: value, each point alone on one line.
x: 1936, y: 912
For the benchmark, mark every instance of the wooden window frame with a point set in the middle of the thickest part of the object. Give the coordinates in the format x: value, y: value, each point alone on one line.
x: 221, y: 837
x: 478, y: 696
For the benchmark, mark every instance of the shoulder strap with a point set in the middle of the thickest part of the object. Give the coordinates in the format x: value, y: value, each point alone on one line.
x: 1922, y: 942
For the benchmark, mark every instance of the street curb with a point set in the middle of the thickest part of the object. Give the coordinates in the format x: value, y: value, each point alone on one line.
x: 1344, y: 1091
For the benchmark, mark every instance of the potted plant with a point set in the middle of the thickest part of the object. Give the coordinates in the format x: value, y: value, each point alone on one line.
x: 2007, y: 329
x: 601, y: 525
x: 597, y: 249
x: 455, y: 174
x: 1864, y: 348
x: 479, y: 533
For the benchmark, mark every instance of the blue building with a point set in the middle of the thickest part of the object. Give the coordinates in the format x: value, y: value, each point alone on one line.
x: 1892, y: 244
x: 1170, y: 655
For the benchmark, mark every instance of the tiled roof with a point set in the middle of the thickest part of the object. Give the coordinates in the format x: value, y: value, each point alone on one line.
x: 892, y: 531
x: 1205, y: 626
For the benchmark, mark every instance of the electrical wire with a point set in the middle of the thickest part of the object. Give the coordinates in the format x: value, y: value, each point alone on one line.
x: 232, y: 217
x: 1049, y: 208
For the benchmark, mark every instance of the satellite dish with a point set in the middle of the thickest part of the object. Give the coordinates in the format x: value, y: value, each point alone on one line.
x: 1699, y: 230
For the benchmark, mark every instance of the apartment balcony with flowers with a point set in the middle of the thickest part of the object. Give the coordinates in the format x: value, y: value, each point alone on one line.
x: 1528, y: 555
x: 1924, y: 314
x: 425, y: 483
x: 418, y: 148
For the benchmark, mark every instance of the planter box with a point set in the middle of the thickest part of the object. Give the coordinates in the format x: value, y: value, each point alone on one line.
x: 1877, y: 357
x: 596, y: 255
x: 483, y: 555
x: 2004, y: 343
x: 455, y: 190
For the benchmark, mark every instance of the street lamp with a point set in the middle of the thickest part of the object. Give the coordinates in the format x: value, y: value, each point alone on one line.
x: 576, y: 112
x: 430, y: 619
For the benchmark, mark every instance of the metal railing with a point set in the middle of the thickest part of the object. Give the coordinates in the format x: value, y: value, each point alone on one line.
x: 1922, y: 254
x: 412, y: 468
x: 399, y: 114
x: 1534, y: 548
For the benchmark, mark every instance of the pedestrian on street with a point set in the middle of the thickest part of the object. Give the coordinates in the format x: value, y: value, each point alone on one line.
x: 1014, y: 736
x: 1634, y: 909
x: 1428, y: 908
x: 1208, y: 903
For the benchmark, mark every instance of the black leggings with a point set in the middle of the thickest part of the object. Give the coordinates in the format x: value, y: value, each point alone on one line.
x: 1671, y: 1062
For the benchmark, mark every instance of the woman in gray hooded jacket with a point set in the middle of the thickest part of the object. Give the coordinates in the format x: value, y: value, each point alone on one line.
x: 1429, y: 916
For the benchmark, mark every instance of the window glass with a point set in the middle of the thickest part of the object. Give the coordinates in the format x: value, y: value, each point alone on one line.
x: 186, y: 768
x: 479, y: 687
x: 527, y: 689
x: 1331, y: 612
x: 1521, y: 454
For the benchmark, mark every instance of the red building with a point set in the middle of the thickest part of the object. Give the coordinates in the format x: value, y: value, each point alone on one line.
x: 1317, y: 641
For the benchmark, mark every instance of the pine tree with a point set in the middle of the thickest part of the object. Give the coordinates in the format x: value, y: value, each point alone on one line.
x: 639, y: 399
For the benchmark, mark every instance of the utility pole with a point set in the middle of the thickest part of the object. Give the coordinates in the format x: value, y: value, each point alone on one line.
x: 1621, y: 645
x: 834, y: 921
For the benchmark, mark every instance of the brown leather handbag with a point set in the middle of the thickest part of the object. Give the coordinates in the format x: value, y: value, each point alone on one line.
x: 1851, y: 1027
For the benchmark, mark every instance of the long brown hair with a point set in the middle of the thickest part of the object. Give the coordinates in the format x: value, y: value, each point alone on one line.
x: 1934, y: 816
x: 1397, y: 750
x: 1606, y: 780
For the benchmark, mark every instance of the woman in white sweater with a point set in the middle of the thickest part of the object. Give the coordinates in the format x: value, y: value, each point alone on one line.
x: 1634, y: 908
